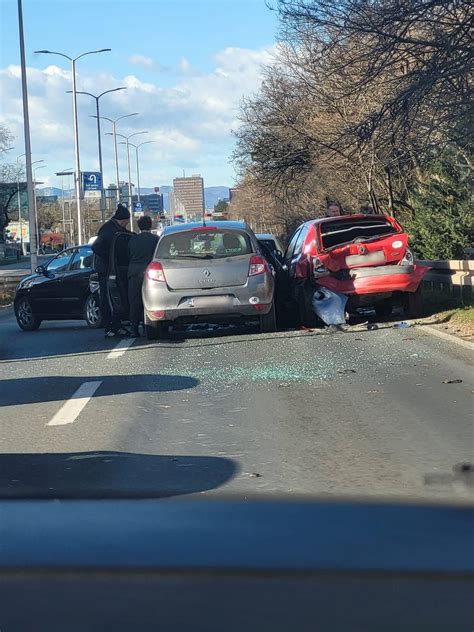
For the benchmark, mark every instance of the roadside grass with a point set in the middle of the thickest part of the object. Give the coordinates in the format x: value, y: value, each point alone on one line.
x: 6, y: 297
x: 456, y: 312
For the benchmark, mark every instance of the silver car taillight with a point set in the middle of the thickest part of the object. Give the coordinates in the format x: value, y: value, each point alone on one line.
x: 258, y: 265
x: 155, y: 272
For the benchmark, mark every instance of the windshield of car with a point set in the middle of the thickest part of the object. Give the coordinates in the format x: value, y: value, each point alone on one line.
x: 185, y: 358
x: 204, y: 244
x: 345, y: 231
x: 60, y: 262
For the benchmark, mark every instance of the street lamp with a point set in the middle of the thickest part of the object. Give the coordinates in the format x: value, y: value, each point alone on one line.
x: 102, y: 193
x: 64, y: 172
x: 114, y: 134
x: 137, y: 147
x: 76, y: 129
x: 130, y: 200
x: 26, y: 130
x: 36, y: 203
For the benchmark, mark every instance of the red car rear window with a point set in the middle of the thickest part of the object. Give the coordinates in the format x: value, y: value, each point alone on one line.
x: 345, y: 231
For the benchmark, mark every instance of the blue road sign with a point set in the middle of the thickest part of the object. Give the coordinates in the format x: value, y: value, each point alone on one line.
x: 137, y: 206
x: 92, y: 181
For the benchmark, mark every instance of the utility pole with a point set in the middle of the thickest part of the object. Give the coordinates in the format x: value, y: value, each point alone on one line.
x: 26, y: 126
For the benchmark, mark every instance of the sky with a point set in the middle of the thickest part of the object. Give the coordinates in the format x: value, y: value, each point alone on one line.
x: 186, y: 65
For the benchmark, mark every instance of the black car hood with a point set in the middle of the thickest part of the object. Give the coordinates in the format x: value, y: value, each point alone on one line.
x: 32, y: 279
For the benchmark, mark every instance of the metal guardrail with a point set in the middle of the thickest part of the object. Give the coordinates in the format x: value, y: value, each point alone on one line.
x: 457, y: 272
x: 8, y: 282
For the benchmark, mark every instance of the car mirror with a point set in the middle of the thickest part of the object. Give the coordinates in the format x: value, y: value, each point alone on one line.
x: 41, y: 270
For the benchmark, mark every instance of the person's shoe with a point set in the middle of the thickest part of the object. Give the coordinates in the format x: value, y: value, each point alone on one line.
x: 123, y: 332
x: 134, y: 332
x: 110, y: 333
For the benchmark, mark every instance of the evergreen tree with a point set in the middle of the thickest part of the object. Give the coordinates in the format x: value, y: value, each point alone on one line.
x: 442, y: 223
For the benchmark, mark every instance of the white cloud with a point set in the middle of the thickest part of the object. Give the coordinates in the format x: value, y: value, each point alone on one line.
x: 146, y: 62
x: 191, y: 120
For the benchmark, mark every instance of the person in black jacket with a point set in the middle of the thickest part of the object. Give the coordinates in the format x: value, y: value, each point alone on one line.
x: 101, y: 248
x: 141, y: 249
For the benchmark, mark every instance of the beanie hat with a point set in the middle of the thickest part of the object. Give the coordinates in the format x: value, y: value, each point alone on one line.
x: 122, y: 212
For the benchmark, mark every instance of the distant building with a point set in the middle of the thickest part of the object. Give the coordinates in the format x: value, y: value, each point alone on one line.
x: 232, y: 194
x: 111, y: 197
x: 151, y: 203
x: 187, y: 195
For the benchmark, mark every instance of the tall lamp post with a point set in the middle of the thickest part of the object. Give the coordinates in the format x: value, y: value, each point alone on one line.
x: 77, y: 174
x: 114, y: 134
x: 64, y: 172
x: 26, y: 129
x: 130, y: 197
x: 38, y: 239
x: 98, y: 117
x: 137, y: 147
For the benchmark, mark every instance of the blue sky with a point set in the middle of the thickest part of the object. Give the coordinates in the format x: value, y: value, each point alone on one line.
x: 186, y: 64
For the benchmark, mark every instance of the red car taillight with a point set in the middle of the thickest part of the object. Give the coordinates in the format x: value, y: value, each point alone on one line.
x: 258, y: 265
x: 155, y: 272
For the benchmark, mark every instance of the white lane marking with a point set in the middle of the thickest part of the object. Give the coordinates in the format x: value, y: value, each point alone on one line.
x: 449, y: 337
x: 70, y: 411
x: 120, y: 349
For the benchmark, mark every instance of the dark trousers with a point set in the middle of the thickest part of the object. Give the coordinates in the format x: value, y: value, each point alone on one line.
x: 109, y: 321
x: 135, y: 282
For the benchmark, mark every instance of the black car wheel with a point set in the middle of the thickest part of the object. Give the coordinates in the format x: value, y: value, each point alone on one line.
x: 268, y: 321
x: 25, y: 316
x: 92, y: 314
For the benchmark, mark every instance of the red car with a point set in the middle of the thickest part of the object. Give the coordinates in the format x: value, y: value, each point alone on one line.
x: 365, y: 257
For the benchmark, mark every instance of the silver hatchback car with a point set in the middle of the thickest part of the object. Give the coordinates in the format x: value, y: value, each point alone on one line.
x: 201, y: 271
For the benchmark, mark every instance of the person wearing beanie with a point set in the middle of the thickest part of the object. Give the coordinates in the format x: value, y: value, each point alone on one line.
x: 101, y: 248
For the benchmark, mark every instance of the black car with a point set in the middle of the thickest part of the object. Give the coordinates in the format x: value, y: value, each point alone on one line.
x: 60, y: 290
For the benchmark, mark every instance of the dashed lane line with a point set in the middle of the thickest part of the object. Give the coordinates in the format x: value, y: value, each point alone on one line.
x: 70, y: 411
x: 120, y: 349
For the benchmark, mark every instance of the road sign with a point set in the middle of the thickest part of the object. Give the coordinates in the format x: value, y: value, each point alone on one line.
x: 137, y: 206
x: 91, y: 181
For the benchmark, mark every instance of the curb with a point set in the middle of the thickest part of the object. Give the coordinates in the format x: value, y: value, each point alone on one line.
x: 448, y: 337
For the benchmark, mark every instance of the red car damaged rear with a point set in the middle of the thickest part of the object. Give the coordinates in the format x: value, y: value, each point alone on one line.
x: 365, y: 257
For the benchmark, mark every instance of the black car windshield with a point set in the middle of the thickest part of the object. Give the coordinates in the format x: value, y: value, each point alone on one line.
x: 61, y: 262
x: 204, y: 244
x: 346, y: 231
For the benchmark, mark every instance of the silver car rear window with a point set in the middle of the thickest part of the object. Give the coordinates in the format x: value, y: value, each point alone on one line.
x: 204, y: 244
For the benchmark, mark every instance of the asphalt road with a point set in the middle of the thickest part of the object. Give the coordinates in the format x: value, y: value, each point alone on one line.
x: 363, y: 413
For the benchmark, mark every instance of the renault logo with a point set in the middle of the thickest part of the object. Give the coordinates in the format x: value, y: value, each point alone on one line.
x: 207, y: 273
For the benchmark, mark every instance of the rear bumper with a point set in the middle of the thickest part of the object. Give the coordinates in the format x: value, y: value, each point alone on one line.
x: 377, y: 280
x: 189, y: 315
x: 251, y: 300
